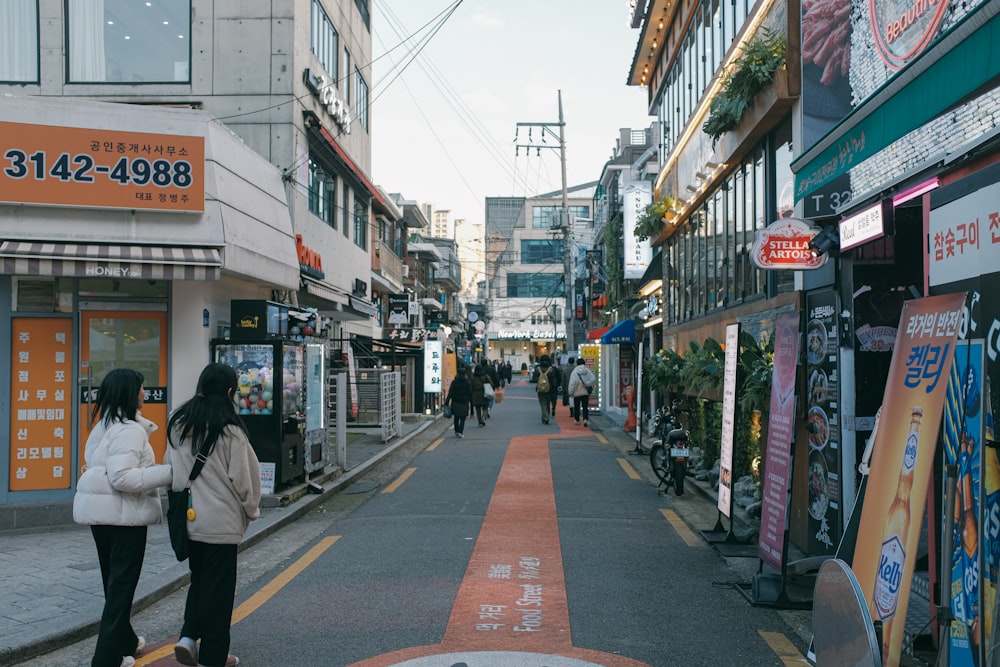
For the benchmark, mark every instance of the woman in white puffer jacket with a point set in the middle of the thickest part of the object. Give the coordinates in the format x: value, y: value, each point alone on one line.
x: 118, y: 497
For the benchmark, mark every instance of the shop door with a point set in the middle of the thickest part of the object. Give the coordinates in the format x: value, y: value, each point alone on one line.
x: 125, y: 339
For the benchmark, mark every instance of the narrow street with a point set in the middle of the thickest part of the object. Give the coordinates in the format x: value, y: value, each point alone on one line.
x: 523, y: 544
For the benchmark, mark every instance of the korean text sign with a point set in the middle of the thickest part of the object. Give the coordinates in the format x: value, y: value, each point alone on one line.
x: 73, y: 166
x: 903, y: 459
x: 41, y: 403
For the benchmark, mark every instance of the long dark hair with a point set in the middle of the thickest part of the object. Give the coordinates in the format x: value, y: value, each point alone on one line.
x: 118, y: 397
x: 205, y: 416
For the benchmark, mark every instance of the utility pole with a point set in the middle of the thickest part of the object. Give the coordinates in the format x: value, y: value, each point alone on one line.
x: 565, y: 224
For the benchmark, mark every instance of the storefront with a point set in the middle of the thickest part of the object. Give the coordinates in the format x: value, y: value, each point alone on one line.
x: 124, y: 249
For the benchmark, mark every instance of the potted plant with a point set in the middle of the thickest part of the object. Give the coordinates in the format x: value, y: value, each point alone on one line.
x: 754, y: 70
x: 651, y: 222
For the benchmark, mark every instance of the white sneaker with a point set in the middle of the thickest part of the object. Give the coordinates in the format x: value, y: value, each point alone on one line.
x: 128, y: 661
x: 186, y: 651
x: 140, y: 646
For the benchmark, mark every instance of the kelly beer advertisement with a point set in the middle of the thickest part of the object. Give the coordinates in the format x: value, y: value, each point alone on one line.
x: 902, y: 461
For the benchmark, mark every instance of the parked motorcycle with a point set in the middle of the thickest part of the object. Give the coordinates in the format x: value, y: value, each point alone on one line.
x: 671, y: 449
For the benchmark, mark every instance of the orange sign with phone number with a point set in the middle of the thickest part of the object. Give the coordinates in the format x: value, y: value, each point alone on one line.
x: 72, y: 166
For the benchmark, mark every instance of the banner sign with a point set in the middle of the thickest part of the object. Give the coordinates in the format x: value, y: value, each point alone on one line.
x: 781, y: 428
x: 963, y: 447
x: 728, y: 420
x: 902, y: 460
x: 76, y: 166
x: 432, y: 367
x: 823, y: 422
x: 784, y: 244
x: 965, y: 237
x: 405, y: 335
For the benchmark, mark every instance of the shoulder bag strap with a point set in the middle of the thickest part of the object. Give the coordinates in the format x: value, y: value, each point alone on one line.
x: 199, y: 463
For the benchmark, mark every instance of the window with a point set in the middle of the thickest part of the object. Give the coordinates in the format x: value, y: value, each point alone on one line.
x: 323, y: 39
x: 122, y: 41
x: 361, y: 100
x: 346, y: 198
x: 360, y: 223
x: 347, y: 78
x: 545, y: 217
x: 542, y: 251
x: 543, y: 285
x: 19, y: 40
x: 322, y: 193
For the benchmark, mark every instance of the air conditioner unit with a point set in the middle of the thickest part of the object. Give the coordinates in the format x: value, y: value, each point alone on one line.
x: 406, y: 270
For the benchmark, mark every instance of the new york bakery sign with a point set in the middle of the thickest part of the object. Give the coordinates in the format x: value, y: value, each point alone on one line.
x: 784, y: 244
x: 527, y: 334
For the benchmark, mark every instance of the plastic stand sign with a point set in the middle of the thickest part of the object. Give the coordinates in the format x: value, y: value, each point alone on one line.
x: 842, y: 625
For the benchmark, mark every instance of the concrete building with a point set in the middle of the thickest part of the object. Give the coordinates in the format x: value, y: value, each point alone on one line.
x: 206, y: 95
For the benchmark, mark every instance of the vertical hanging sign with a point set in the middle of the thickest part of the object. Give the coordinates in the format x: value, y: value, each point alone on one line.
x: 638, y: 195
x: 728, y: 420
x: 432, y: 366
x: 41, y: 392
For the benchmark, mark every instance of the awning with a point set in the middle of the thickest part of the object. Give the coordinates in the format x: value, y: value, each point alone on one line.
x: 622, y: 333
x: 31, y: 258
x: 428, y: 302
x: 334, y: 304
x: 597, y: 333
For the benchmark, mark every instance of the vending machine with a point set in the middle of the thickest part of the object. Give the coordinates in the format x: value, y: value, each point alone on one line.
x: 270, y: 368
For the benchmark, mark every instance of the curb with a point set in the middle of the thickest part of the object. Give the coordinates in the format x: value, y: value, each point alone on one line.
x: 179, y: 575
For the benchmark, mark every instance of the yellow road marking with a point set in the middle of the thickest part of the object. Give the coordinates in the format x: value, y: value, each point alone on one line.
x: 399, y: 480
x: 255, y: 601
x: 682, y: 529
x: 601, y: 439
x: 784, y: 648
x: 629, y: 470
x: 434, y: 444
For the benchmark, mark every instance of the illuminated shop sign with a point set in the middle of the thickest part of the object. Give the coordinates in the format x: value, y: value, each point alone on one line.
x: 784, y: 244
x: 326, y: 92
x: 310, y: 261
x: 533, y: 334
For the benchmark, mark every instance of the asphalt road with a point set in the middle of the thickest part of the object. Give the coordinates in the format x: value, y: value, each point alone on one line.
x: 521, y: 545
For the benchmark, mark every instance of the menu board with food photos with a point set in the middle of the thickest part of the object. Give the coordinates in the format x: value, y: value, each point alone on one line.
x: 823, y: 422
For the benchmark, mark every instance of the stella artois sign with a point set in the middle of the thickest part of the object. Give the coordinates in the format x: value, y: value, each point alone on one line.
x: 784, y: 244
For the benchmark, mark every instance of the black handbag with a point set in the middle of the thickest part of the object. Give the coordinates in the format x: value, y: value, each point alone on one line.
x: 180, y: 511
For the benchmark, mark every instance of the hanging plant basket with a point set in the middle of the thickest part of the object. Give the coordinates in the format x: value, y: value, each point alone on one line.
x: 651, y: 222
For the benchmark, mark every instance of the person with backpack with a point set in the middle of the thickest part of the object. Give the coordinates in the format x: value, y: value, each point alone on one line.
x: 546, y: 385
x: 581, y: 384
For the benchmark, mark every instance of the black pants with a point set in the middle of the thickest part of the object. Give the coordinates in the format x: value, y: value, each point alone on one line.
x: 459, y: 423
x: 120, y: 550
x: 209, y: 609
x: 581, y: 406
x: 481, y: 413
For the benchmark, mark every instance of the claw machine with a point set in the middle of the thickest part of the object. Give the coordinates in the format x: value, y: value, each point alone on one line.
x: 270, y: 367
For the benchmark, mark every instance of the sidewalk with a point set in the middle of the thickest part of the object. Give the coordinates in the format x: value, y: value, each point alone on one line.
x: 52, y: 584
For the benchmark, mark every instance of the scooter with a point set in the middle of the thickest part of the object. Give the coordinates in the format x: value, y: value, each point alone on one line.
x: 671, y: 452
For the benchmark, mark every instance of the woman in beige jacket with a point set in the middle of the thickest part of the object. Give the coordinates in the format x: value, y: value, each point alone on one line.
x: 225, y: 498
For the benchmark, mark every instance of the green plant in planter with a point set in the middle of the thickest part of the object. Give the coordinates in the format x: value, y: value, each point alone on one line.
x: 651, y: 222
x: 762, y: 56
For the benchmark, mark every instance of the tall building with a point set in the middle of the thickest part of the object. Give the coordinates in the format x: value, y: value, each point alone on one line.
x: 441, y: 225
x: 530, y: 254
x: 200, y: 152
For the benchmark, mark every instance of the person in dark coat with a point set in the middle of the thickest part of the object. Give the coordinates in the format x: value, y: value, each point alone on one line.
x: 460, y: 398
x: 479, y: 378
x: 545, y: 399
x: 567, y: 371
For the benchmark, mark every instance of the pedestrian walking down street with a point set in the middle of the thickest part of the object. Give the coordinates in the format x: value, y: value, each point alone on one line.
x: 494, y: 380
x: 547, y: 387
x: 225, y: 498
x: 567, y: 371
x: 581, y: 384
x: 118, y: 497
x: 460, y: 399
x: 479, y: 378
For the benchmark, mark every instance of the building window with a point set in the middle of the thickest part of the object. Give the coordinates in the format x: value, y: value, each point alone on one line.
x: 347, y: 78
x: 322, y: 193
x: 540, y: 285
x: 361, y: 100
x: 323, y: 39
x: 121, y: 41
x: 541, y: 251
x: 19, y: 41
x: 360, y: 223
x: 346, y: 199
x: 546, y: 217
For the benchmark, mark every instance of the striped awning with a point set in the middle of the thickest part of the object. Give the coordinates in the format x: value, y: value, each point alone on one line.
x: 32, y: 258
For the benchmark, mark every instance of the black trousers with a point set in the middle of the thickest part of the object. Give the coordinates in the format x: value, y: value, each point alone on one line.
x: 459, y: 424
x: 208, y: 612
x: 120, y: 551
x: 581, y: 406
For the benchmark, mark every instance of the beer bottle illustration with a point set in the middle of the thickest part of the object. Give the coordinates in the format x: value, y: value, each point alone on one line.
x: 889, y: 575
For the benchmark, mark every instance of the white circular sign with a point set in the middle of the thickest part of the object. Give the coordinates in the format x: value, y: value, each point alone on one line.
x: 480, y: 325
x: 473, y: 316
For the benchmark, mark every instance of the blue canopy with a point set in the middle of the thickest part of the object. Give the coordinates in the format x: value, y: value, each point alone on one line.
x: 622, y: 333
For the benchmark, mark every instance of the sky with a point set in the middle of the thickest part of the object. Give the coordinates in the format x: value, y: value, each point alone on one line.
x: 443, y: 126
